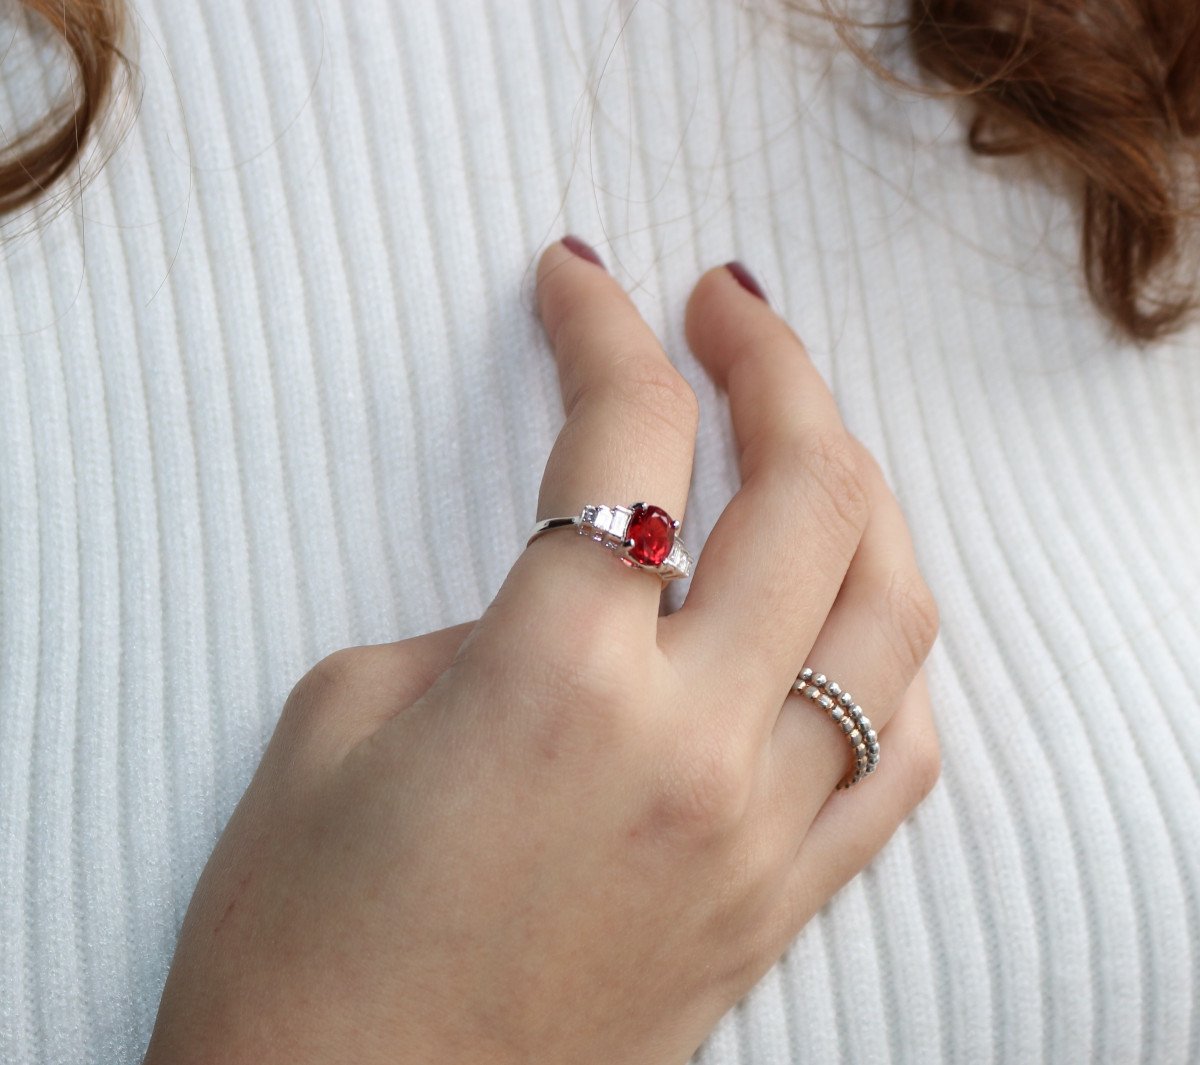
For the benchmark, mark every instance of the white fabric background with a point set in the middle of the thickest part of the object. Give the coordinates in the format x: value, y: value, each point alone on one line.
x: 260, y: 390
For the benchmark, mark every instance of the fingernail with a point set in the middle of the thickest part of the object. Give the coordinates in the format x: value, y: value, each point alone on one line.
x: 583, y: 249
x: 746, y: 280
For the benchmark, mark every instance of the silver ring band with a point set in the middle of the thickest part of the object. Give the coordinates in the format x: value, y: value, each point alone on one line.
x: 841, y: 707
x: 642, y: 536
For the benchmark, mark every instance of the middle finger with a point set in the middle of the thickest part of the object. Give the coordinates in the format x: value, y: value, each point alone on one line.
x: 775, y: 560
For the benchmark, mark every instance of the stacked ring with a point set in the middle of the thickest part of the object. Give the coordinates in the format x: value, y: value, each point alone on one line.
x: 841, y: 707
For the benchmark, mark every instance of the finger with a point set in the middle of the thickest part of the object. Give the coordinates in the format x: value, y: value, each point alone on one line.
x: 877, y: 636
x: 854, y: 824
x: 350, y: 694
x: 774, y: 562
x: 628, y: 436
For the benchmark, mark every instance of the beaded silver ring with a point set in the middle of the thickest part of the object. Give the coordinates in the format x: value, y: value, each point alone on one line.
x: 847, y: 714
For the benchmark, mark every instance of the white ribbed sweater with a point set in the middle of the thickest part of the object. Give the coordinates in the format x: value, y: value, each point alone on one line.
x: 292, y: 319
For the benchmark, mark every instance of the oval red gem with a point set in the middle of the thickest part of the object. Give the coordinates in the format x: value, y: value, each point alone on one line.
x: 653, y: 536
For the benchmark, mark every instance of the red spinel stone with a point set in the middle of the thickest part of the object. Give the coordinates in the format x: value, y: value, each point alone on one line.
x: 652, y: 534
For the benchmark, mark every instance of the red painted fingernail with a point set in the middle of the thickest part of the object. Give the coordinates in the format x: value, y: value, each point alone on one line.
x: 746, y: 280
x: 583, y: 249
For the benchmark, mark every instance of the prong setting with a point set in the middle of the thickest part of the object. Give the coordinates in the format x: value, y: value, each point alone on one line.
x: 642, y: 536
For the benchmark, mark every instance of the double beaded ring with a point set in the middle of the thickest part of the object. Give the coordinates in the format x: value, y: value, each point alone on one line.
x: 645, y: 537
x: 841, y: 707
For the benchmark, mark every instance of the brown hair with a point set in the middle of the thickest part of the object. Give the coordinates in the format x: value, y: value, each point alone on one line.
x: 1108, y: 89
x: 36, y: 157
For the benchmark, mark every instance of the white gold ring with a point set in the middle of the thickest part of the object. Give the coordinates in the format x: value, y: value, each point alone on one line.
x: 642, y: 536
x: 846, y: 713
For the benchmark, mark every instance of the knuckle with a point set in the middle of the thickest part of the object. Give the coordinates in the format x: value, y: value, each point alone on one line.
x: 335, y: 672
x: 578, y: 696
x: 650, y: 389
x: 824, y: 468
x: 327, y: 680
x: 706, y: 794
x: 911, y: 617
x: 867, y: 462
x: 924, y: 767
x: 832, y: 467
x: 593, y: 663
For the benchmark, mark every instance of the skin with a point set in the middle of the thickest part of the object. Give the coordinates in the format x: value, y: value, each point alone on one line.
x: 576, y: 831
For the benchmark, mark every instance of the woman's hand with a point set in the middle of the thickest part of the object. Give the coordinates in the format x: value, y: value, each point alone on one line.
x: 576, y: 831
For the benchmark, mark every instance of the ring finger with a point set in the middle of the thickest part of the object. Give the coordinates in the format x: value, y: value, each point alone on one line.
x: 853, y: 826
x: 877, y: 636
x: 774, y: 562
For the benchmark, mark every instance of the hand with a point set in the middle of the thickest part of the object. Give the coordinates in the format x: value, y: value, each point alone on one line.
x: 577, y: 832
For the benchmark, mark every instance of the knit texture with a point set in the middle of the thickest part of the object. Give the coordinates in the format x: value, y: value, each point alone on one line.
x: 292, y: 322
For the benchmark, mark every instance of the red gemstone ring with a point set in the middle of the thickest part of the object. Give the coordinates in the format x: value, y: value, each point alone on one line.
x: 642, y: 536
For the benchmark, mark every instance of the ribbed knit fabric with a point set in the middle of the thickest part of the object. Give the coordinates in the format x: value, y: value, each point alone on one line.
x: 260, y: 386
